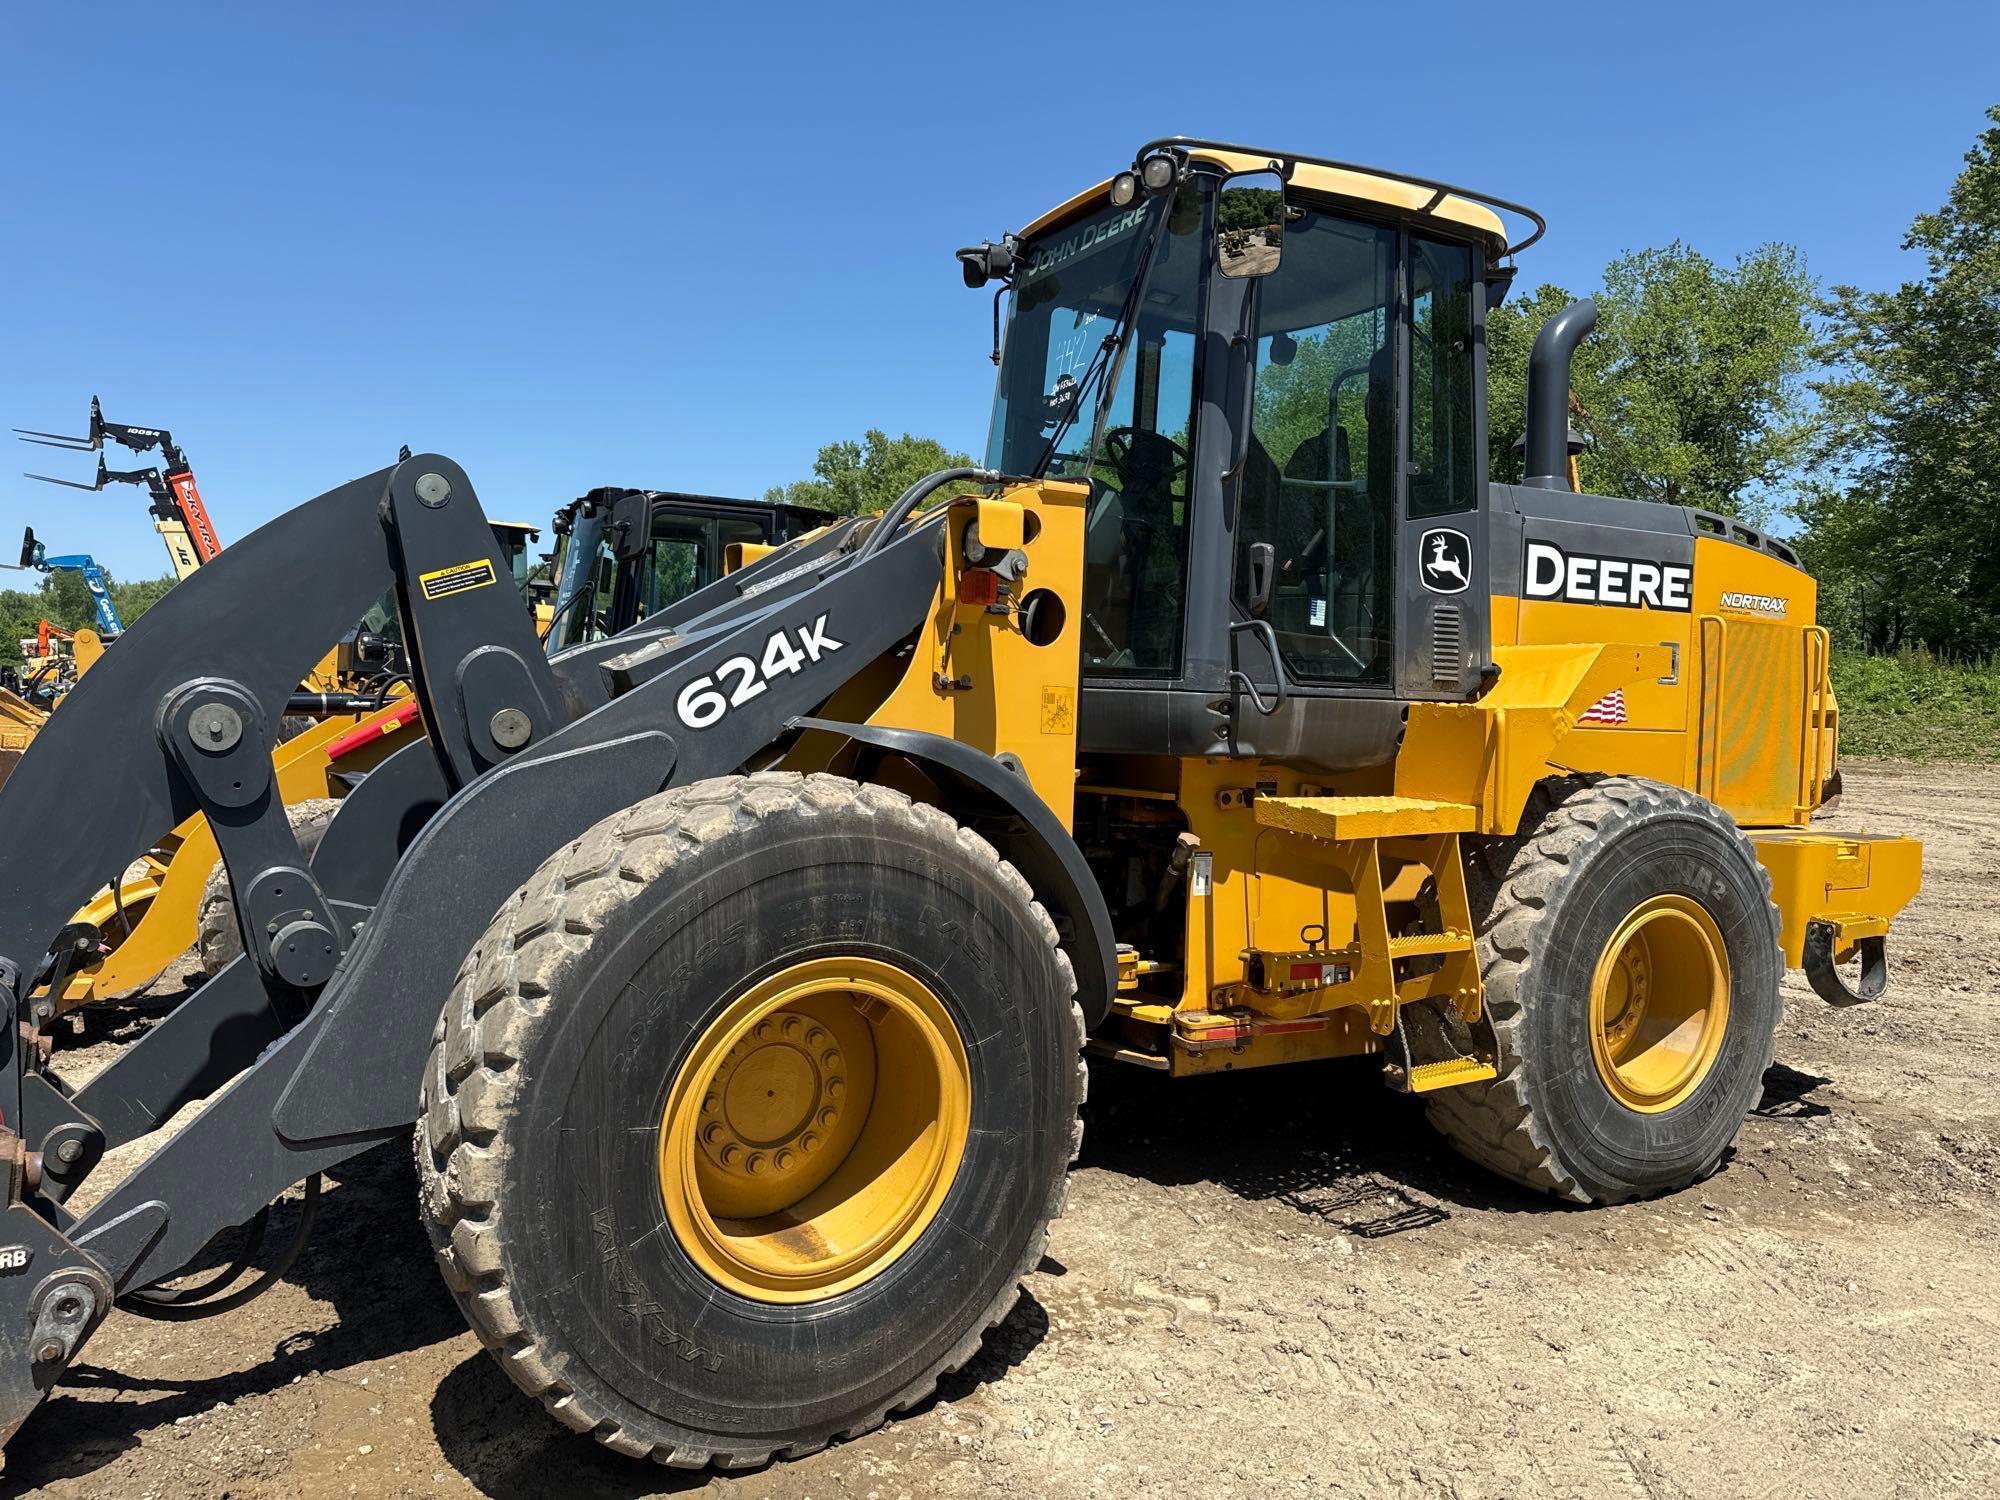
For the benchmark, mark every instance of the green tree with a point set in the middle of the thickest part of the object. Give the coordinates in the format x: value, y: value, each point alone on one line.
x: 1903, y: 523
x: 853, y: 479
x: 62, y: 599
x: 1694, y: 388
x: 134, y: 599
x: 67, y: 601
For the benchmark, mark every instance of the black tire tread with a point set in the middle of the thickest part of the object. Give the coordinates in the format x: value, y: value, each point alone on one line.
x: 508, y: 982
x: 1511, y: 883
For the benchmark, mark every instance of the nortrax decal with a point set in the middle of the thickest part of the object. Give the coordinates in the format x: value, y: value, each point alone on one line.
x: 1756, y: 604
x: 1627, y: 582
x: 702, y: 702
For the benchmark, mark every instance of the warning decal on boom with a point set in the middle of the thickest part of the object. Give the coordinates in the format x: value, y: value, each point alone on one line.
x: 456, y: 579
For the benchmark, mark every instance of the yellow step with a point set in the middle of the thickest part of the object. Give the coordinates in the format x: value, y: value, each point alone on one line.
x: 1364, y: 817
x: 1426, y: 943
x: 1426, y: 1077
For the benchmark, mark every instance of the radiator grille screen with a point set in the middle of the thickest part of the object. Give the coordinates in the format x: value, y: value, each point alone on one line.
x: 1756, y: 684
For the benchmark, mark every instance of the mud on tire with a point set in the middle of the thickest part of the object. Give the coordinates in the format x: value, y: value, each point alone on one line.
x: 1544, y: 905
x: 542, y: 1107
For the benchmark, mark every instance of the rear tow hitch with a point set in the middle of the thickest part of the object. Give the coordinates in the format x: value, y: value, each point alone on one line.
x: 1826, y: 980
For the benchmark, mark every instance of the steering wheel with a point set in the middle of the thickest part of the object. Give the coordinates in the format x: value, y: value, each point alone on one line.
x: 1124, y: 447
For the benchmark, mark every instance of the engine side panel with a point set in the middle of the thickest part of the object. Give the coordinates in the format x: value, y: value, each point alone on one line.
x: 1743, y: 713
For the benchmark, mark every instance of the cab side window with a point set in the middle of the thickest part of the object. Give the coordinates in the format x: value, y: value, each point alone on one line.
x: 1443, y: 476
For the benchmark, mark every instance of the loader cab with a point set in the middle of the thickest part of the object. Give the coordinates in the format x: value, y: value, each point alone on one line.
x: 1285, y: 448
x: 517, y: 539
x: 643, y: 550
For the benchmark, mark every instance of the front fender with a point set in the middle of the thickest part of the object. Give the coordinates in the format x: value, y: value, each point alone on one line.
x: 1017, y: 822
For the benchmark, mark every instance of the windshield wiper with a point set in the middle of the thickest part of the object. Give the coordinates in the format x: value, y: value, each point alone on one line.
x: 1113, y: 345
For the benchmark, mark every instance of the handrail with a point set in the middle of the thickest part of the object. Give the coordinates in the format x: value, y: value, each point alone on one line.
x: 1819, y: 681
x: 1441, y: 189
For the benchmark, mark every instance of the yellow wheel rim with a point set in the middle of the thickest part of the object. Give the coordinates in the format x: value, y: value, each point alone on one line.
x: 1659, y: 1004
x: 814, y: 1130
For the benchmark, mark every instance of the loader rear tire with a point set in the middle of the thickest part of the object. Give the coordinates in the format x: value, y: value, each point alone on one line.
x: 1600, y: 1098
x: 217, y: 942
x: 575, y: 1122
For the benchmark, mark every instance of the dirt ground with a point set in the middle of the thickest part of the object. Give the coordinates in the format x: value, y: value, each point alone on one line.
x: 1274, y: 1283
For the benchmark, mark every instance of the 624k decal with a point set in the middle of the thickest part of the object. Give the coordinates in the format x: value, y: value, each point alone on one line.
x: 704, y: 701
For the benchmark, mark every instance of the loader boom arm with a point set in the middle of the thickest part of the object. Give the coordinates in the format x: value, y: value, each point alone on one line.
x: 323, y: 1024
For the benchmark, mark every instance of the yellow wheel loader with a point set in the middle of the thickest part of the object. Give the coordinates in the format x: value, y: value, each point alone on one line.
x: 736, y: 971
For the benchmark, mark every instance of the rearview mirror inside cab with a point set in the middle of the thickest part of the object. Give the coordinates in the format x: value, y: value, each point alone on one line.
x: 1250, y: 224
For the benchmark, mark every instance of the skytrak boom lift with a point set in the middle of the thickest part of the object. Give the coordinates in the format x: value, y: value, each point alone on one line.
x: 736, y: 969
x: 175, y: 500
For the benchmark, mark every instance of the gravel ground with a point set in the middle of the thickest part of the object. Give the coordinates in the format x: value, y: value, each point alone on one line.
x: 1272, y: 1284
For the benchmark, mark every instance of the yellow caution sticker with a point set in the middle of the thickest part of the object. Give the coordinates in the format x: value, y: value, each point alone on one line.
x: 456, y: 579
x: 1058, y: 710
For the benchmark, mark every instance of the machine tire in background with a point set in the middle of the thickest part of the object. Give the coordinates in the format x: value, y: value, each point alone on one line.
x: 216, y: 939
x: 1629, y: 952
x: 745, y: 971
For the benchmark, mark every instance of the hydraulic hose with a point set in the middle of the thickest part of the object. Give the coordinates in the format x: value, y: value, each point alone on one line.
x: 915, y: 495
x: 179, y: 1304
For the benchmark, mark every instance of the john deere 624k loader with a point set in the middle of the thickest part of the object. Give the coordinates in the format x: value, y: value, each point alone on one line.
x: 737, y: 970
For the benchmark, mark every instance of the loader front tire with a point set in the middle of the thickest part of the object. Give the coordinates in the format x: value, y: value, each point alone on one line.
x: 747, y: 1115
x: 1629, y: 953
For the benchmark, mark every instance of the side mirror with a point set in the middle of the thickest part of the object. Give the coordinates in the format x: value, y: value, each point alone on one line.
x: 1250, y: 224
x: 979, y: 264
x: 1263, y: 572
x: 631, y: 525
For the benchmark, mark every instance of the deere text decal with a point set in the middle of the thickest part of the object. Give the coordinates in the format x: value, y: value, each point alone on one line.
x: 1627, y: 582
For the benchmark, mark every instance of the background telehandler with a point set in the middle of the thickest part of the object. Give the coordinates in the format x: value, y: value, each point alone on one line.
x: 737, y: 969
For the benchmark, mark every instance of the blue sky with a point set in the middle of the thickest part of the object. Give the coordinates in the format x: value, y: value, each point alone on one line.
x: 574, y: 245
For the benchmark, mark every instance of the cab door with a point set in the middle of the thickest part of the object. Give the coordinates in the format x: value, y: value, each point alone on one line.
x: 1363, y: 467
x: 1318, y: 474
x: 1444, y: 592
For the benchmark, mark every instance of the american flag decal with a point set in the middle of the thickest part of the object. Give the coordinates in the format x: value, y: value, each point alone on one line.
x: 1610, y: 709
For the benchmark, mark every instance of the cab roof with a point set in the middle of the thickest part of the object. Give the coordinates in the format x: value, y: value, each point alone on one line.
x: 1414, y: 195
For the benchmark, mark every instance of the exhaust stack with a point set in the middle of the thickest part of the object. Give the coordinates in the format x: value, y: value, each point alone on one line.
x: 1547, y: 466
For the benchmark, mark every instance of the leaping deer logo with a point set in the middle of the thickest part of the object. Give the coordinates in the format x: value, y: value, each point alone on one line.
x: 1444, y: 568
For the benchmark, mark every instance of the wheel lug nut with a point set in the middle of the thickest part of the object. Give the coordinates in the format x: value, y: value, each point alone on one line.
x: 792, y: 1025
x: 729, y: 1155
x: 755, y: 1164
x: 708, y: 1104
x: 830, y: 1061
x: 815, y: 1037
x: 782, y: 1160
x: 809, y: 1142
x: 827, y: 1117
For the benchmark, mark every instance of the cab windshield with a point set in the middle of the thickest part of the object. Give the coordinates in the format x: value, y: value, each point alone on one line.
x: 1129, y: 435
